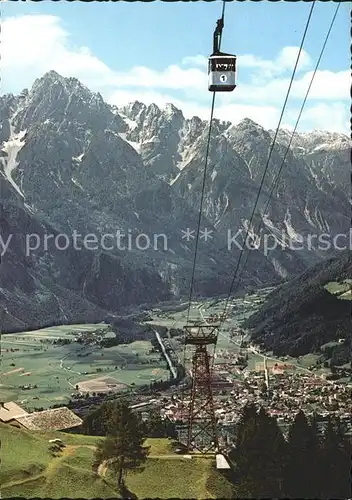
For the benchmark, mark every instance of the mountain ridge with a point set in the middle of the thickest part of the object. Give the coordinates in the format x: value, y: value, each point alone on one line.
x: 71, y: 162
x: 300, y: 316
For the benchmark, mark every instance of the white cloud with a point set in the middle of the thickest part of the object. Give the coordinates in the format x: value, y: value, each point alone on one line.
x: 198, y: 60
x: 284, y: 62
x: 288, y: 56
x: 34, y: 44
x: 173, y: 77
x: 267, y: 116
x: 327, y: 85
x: 333, y: 116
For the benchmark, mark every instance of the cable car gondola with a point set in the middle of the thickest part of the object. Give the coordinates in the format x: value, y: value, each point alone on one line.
x: 221, y: 66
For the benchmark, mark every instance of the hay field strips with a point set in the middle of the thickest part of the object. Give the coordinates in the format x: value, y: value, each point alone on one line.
x: 228, y: 343
x: 229, y: 338
x: 38, y: 373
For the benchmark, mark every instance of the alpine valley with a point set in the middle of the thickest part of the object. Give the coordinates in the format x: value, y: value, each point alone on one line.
x: 73, y: 165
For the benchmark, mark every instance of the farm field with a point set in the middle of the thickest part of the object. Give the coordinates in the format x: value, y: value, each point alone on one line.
x: 242, y: 309
x: 341, y: 289
x: 38, y: 373
x: 35, y: 472
x: 228, y: 345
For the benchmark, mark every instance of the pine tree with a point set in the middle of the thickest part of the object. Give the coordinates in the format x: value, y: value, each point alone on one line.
x: 123, y: 446
x: 301, y: 474
x: 239, y: 455
x: 259, y: 454
x: 342, y: 479
x: 246, y: 429
x: 328, y: 460
x: 95, y: 422
x: 316, y: 455
x: 156, y: 425
x: 271, y: 457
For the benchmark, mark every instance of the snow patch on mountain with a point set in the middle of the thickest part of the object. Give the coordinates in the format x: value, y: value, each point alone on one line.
x: 132, y: 124
x: 30, y: 209
x: 292, y: 233
x: 279, y: 236
x: 281, y: 271
x: 175, y: 179
x: 315, y: 175
x: 307, y: 215
x: 226, y: 199
x: 12, y: 147
x: 76, y: 183
x: 136, y: 145
x: 78, y: 158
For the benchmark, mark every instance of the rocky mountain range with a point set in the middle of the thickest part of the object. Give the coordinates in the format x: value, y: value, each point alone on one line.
x: 96, y: 177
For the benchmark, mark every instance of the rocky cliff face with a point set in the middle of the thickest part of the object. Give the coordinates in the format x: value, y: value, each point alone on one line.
x: 42, y: 284
x: 73, y: 165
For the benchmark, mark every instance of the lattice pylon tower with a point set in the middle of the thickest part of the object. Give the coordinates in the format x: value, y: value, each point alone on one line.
x: 202, y: 434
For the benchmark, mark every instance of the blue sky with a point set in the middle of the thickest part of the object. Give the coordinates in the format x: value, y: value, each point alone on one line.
x: 125, y: 51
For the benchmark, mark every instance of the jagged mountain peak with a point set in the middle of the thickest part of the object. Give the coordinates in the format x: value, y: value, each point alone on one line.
x: 247, y: 131
x: 196, y: 120
x: 247, y: 123
x: 137, y: 110
x: 324, y: 139
x: 48, y: 80
x: 50, y: 75
x: 56, y: 86
x: 324, y: 133
x: 60, y: 101
x: 23, y: 94
x: 316, y: 140
x: 153, y: 110
x: 170, y: 109
x: 133, y: 109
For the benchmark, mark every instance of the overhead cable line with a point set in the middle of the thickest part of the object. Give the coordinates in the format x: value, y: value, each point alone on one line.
x: 269, y: 157
x: 204, y: 177
x: 216, y: 48
x: 275, y: 182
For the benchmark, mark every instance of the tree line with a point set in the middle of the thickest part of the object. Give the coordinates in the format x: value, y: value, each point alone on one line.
x: 310, y: 463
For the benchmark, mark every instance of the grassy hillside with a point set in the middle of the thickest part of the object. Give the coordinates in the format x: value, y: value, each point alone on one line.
x: 179, y: 478
x: 29, y: 469
x: 308, y: 311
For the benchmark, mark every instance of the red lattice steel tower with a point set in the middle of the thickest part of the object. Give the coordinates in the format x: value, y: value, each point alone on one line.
x: 202, y: 433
